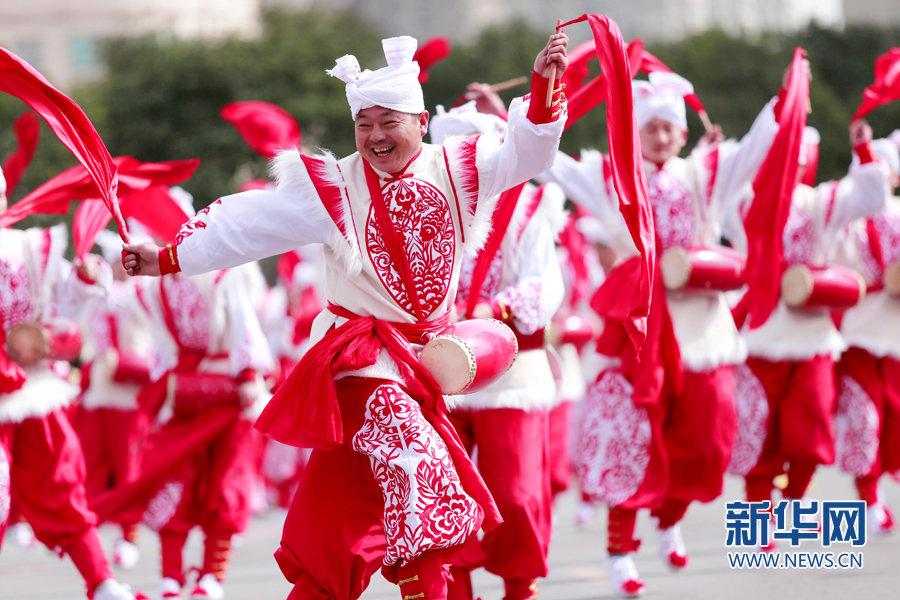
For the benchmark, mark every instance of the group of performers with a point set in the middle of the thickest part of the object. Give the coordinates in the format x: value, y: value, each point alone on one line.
x: 200, y: 385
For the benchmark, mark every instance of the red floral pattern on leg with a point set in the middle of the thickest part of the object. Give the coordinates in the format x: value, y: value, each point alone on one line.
x: 425, y: 507
x: 752, y: 407
x: 857, y: 428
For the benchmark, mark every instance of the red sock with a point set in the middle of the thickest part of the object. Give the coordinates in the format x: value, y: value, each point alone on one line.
x: 130, y: 533
x: 621, y: 531
x: 799, y: 476
x: 90, y: 560
x: 461, y: 586
x: 171, y: 547
x: 758, y: 487
x: 520, y: 589
x: 671, y: 512
x: 423, y: 578
x: 217, y: 553
x: 867, y: 486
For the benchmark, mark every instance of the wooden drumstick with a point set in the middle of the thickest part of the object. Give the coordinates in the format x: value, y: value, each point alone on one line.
x: 510, y: 83
x: 553, y: 70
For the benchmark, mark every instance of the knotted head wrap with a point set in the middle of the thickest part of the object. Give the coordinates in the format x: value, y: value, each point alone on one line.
x: 395, y: 87
x: 661, y: 98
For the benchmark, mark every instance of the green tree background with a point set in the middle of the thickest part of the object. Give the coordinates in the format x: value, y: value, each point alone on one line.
x: 160, y: 98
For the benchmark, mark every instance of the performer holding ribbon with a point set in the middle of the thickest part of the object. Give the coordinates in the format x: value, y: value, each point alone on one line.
x: 389, y: 481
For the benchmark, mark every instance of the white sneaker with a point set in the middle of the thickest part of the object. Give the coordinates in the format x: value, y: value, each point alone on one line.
x: 21, y: 535
x: 585, y: 515
x: 208, y: 588
x: 169, y: 588
x: 879, y: 519
x: 623, y: 576
x: 113, y: 590
x: 671, y: 548
x: 126, y: 554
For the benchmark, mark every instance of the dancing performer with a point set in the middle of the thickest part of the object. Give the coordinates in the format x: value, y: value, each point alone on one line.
x: 45, y: 459
x: 388, y: 481
x: 674, y: 451
x: 868, y: 375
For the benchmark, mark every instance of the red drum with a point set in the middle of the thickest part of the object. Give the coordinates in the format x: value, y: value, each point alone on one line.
x: 892, y: 279
x: 55, y: 339
x: 131, y: 368
x: 194, y: 392
x: 574, y: 329
x: 822, y: 287
x: 470, y: 355
x: 718, y: 268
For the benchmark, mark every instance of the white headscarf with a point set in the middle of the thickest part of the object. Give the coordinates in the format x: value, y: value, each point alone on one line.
x: 887, y: 152
x: 395, y: 87
x: 2, y: 182
x: 661, y: 98
x: 463, y: 120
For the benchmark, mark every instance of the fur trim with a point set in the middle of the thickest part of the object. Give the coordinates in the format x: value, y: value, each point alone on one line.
x: 798, y: 349
x: 700, y: 362
x: 288, y: 167
x: 791, y: 335
x: 878, y: 347
x: 468, y: 179
x: 43, y: 393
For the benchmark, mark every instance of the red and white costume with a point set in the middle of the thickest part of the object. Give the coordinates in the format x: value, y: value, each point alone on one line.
x: 116, y: 355
x: 508, y: 422
x: 205, y: 324
x: 868, y: 375
x: 41, y: 450
x: 667, y: 454
x: 785, y: 393
x: 385, y: 484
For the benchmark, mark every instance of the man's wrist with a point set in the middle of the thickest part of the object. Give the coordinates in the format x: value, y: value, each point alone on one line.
x: 864, y: 152
x: 538, y: 113
x: 168, y: 260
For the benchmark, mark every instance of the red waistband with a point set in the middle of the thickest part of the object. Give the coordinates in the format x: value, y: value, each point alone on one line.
x: 415, y: 333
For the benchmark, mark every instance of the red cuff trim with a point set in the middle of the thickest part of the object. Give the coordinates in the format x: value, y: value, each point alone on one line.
x: 168, y: 260
x: 537, y: 111
x: 83, y: 278
x: 782, y: 94
x: 865, y: 154
x: 246, y: 375
x: 501, y: 311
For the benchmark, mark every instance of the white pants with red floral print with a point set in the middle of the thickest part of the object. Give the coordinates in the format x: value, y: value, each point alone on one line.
x: 425, y: 507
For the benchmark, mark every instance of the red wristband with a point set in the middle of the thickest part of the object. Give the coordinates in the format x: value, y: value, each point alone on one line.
x: 168, y: 260
x: 538, y: 113
x: 246, y: 375
x: 865, y: 154
x: 782, y: 94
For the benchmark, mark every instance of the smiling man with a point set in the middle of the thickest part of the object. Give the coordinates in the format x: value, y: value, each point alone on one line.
x: 388, y: 483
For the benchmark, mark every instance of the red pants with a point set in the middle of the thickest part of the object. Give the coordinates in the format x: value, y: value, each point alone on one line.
x: 513, y: 459
x: 47, y: 476
x: 560, y: 465
x: 879, y: 379
x: 801, y: 398
x: 111, y: 460
x: 350, y: 501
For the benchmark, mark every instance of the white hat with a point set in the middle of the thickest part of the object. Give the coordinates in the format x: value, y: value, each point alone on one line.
x: 395, y: 87
x: 887, y: 152
x: 661, y: 98
x: 2, y: 182
x: 463, y: 120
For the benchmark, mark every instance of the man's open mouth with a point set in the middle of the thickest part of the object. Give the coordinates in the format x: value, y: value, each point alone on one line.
x: 382, y: 152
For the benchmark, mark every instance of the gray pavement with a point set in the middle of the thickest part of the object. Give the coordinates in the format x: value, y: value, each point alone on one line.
x: 576, y: 558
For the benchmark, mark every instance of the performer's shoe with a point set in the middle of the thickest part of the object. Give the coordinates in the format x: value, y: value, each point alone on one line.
x: 208, y: 588
x: 879, y: 518
x: 671, y: 548
x: 520, y: 589
x: 169, y: 588
x: 21, y: 535
x: 624, y: 577
x: 113, y: 590
x: 585, y: 515
x: 126, y: 554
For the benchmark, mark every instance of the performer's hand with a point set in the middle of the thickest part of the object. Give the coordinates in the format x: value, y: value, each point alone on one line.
x: 248, y: 392
x: 141, y: 259
x: 807, y: 70
x: 554, y: 52
x: 88, y: 269
x: 486, y: 99
x: 483, y: 310
x: 712, y: 137
x: 860, y: 133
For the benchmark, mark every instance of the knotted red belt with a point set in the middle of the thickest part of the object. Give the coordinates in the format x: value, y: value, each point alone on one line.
x: 305, y: 412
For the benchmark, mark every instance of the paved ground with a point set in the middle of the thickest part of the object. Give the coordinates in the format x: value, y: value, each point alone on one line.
x: 575, y: 572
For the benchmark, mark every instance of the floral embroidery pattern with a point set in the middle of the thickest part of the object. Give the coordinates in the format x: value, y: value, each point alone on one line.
x: 673, y: 210
x: 752, y: 407
x: 190, y: 313
x: 799, y: 238
x: 425, y: 506
x: 16, y: 304
x: 613, y: 448
x: 421, y: 215
x: 162, y: 507
x: 524, y: 301
x: 194, y: 223
x: 4, y: 487
x: 856, y: 427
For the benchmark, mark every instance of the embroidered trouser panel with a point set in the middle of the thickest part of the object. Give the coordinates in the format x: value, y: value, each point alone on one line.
x: 389, y: 496
x: 47, y: 475
x: 560, y: 466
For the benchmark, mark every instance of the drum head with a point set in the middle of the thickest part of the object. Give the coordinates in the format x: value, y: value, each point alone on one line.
x: 675, y: 265
x: 796, y: 285
x: 27, y: 344
x: 892, y: 279
x: 450, y: 362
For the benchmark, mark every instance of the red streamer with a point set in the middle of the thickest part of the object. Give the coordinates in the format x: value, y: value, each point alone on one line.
x: 886, y: 87
x: 28, y: 130
x: 429, y: 54
x: 266, y: 128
